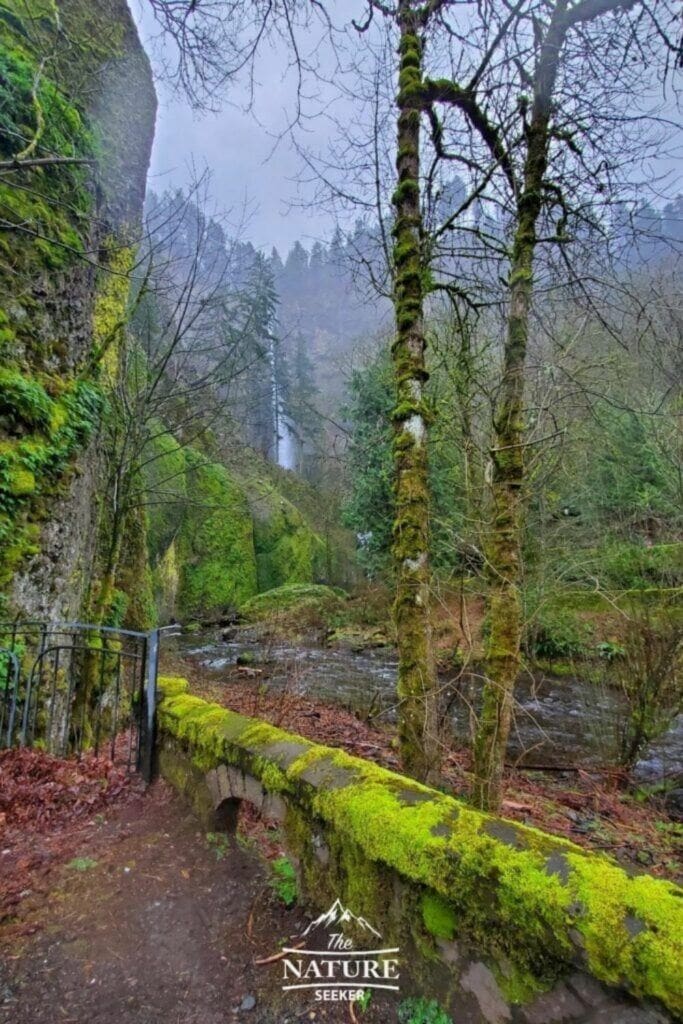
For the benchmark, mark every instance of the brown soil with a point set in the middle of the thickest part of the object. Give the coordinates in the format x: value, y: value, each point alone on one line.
x: 153, y: 923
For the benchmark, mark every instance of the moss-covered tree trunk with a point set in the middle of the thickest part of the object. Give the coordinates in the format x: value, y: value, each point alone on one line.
x: 417, y: 690
x: 503, y: 546
x: 507, y: 452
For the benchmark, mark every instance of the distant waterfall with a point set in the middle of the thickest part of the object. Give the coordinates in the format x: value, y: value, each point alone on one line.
x: 285, y: 442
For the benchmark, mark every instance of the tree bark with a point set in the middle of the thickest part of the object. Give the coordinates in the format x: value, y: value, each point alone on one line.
x: 503, y: 548
x: 507, y: 452
x: 417, y: 685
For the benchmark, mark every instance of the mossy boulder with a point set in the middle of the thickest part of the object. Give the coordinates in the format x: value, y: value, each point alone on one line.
x: 294, y: 599
x: 358, y: 638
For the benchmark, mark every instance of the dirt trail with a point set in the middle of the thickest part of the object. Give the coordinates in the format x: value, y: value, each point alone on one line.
x: 158, y: 929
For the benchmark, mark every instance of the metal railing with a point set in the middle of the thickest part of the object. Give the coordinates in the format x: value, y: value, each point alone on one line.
x: 67, y: 687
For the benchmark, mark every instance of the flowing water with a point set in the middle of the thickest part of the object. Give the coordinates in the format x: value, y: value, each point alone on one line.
x: 557, y: 720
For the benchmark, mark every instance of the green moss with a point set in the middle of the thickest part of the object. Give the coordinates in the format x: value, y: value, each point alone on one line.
x: 223, y: 533
x: 274, y: 780
x: 294, y: 597
x: 528, y: 899
x: 110, y: 313
x: 201, y: 535
x: 216, y: 542
x: 51, y: 59
x: 134, y: 575
x: 438, y: 917
x: 22, y: 482
x: 165, y: 466
x: 631, y: 928
x: 172, y: 686
x: 287, y: 549
x: 34, y: 466
x: 517, y: 985
x: 56, y: 202
x: 408, y: 189
x: 166, y: 583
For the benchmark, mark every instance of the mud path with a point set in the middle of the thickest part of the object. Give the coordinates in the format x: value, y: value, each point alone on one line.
x: 151, y: 924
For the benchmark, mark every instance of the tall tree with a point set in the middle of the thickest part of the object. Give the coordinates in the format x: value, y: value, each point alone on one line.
x: 536, y: 103
x: 417, y: 687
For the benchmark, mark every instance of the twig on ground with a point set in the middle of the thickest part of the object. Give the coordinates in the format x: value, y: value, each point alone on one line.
x: 277, y: 956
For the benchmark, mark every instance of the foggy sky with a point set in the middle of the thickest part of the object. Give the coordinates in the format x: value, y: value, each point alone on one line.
x: 254, y: 176
x: 248, y: 173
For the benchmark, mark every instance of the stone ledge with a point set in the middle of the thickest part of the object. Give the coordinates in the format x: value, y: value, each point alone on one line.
x: 536, y: 904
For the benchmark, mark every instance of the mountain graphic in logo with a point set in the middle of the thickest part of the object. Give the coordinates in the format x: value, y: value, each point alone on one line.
x: 338, y: 914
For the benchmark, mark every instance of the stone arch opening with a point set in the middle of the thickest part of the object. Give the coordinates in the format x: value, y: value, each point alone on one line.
x: 225, y: 816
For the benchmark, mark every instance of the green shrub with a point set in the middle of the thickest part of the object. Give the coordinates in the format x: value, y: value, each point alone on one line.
x: 555, y: 634
x: 636, y: 567
x: 283, y: 880
x: 82, y: 863
x: 609, y: 650
x: 422, y: 1011
x: 648, y: 675
x: 219, y: 843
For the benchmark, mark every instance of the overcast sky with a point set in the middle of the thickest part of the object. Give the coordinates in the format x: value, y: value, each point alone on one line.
x: 250, y: 172
x: 247, y: 171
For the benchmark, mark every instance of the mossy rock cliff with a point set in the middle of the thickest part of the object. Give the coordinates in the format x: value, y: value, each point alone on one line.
x: 215, y: 539
x: 94, y: 101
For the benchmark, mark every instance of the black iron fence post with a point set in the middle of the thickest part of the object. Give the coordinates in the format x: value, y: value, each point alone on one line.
x: 148, y: 721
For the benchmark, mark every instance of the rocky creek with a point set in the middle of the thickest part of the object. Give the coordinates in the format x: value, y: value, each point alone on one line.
x: 558, y: 720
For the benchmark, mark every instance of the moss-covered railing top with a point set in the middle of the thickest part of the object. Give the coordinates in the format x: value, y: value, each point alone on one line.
x: 537, y: 900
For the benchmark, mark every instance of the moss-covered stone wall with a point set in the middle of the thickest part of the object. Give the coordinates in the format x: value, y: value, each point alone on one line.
x: 504, y: 922
x: 74, y: 83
